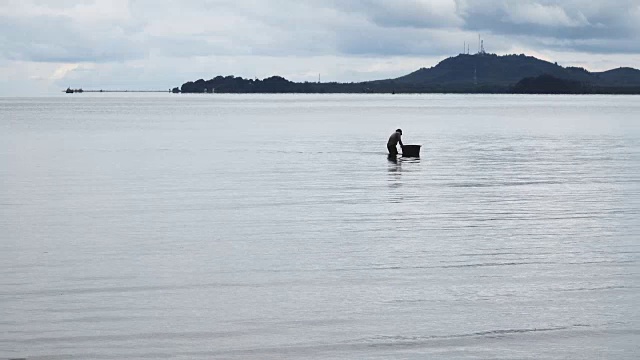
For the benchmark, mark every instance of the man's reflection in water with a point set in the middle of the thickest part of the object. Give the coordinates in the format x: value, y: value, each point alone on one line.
x: 395, y: 171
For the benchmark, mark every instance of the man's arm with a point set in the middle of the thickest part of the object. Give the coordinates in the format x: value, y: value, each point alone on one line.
x: 400, y: 141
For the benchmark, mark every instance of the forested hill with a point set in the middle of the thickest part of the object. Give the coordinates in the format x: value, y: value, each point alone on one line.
x: 478, y: 73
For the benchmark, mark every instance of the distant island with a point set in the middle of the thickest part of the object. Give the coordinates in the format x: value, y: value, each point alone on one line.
x: 464, y: 73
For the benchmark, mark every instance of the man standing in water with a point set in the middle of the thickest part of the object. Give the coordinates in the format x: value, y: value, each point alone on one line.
x: 394, y: 139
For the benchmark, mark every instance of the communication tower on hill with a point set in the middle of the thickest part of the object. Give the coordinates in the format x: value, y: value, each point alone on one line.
x: 465, y: 48
x: 480, y: 46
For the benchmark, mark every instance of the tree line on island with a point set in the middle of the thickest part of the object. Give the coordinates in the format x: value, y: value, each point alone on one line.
x: 478, y: 73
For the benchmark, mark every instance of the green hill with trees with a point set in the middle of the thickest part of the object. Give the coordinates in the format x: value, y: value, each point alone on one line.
x: 478, y: 73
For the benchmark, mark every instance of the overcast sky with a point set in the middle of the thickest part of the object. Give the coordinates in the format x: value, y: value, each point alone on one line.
x: 46, y: 46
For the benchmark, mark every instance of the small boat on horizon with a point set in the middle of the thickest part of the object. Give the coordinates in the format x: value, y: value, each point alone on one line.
x: 71, y: 91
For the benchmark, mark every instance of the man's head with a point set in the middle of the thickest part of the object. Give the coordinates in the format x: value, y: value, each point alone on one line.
x: 399, y: 131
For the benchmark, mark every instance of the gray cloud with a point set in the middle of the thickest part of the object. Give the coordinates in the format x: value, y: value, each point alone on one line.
x: 59, y: 39
x: 408, y: 42
x: 595, y: 26
x: 406, y: 13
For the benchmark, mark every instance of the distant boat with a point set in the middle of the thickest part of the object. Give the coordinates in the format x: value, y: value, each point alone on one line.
x: 71, y: 91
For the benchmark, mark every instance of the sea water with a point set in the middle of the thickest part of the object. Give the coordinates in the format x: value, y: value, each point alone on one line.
x: 275, y: 226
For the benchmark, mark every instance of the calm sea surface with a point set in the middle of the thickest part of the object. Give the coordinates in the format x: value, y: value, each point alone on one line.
x: 271, y: 227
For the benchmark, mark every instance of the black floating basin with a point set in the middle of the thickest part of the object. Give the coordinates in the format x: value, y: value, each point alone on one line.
x: 411, y: 150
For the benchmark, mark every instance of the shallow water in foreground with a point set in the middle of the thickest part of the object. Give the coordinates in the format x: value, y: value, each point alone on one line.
x: 270, y: 227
